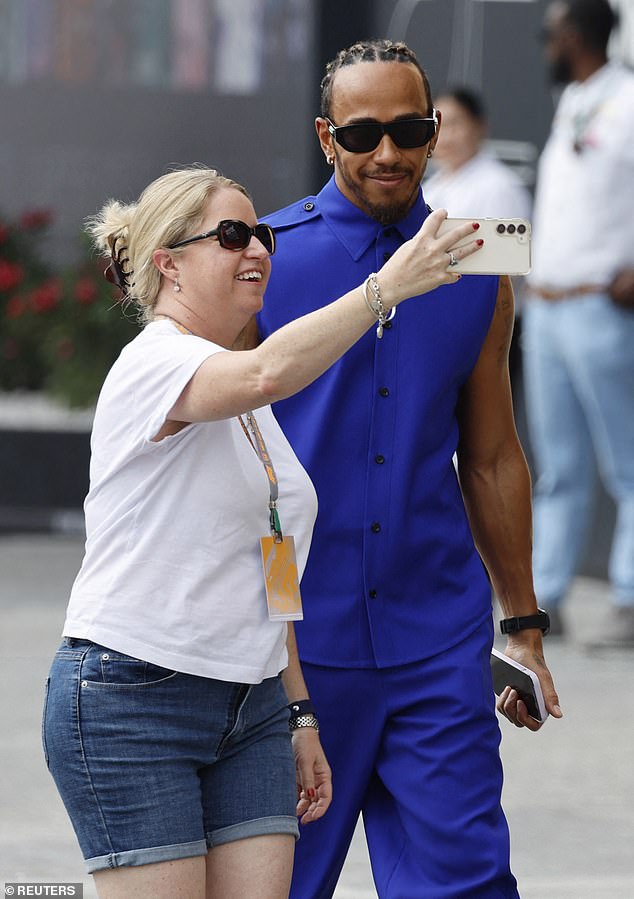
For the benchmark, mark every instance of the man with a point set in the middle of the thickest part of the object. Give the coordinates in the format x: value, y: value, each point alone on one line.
x: 397, y: 631
x: 579, y: 314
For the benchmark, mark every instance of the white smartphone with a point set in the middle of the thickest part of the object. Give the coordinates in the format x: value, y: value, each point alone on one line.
x: 509, y: 673
x: 506, y: 250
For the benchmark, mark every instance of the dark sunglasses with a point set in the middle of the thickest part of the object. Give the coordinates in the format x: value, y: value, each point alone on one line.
x: 233, y: 234
x: 363, y: 137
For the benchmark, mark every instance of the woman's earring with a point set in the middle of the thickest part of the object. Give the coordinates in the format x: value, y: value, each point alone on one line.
x: 330, y: 159
x: 177, y: 286
x: 429, y: 154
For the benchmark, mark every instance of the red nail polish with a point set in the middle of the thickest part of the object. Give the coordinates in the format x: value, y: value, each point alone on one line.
x: 476, y: 225
x: 479, y: 242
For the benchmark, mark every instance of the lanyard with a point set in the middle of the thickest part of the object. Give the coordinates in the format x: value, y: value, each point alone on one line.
x: 255, y: 438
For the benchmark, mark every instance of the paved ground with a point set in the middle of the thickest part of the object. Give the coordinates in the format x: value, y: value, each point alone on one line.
x: 569, y: 790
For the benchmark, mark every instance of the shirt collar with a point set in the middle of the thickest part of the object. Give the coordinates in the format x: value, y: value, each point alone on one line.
x: 354, y: 228
x: 595, y: 85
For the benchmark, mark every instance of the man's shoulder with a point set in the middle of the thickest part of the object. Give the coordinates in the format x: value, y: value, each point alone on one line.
x: 298, y: 213
x: 626, y: 85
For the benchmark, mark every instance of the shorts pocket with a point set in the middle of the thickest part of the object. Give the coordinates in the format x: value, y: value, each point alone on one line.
x: 44, y: 708
x: 106, y: 667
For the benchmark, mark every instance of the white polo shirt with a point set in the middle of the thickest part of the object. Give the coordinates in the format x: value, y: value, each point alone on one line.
x: 583, y: 218
x: 172, y: 572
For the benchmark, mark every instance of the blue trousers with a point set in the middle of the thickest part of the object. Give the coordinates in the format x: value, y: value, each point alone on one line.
x: 415, y: 749
x: 579, y: 381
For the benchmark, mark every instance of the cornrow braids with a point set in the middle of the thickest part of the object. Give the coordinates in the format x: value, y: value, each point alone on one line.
x: 375, y: 50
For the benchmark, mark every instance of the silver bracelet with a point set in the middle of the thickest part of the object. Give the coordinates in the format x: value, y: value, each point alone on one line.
x: 308, y: 720
x: 374, y: 302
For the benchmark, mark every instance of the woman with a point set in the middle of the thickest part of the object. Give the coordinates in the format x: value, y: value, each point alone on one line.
x: 468, y: 179
x: 166, y: 724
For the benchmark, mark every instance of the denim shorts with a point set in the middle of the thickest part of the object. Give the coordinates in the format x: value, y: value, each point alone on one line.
x: 154, y: 765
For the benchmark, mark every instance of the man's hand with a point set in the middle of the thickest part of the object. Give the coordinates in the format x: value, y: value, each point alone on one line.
x: 526, y: 648
x: 314, y: 780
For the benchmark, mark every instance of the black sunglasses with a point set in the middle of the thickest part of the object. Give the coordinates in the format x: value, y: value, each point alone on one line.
x: 233, y: 234
x: 363, y: 137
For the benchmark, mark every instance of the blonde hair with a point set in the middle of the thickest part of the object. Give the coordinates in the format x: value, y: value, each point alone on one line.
x: 169, y: 209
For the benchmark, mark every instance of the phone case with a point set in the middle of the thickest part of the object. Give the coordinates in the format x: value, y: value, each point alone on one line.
x: 509, y: 673
x: 506, y: 250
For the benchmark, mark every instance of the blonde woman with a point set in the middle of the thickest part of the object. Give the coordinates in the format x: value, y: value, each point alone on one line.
x: 167, y: 726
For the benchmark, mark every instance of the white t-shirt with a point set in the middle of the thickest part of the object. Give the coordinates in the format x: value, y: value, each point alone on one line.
x: 172, y: 572
x: 483, y: 187
x: 583, y: 229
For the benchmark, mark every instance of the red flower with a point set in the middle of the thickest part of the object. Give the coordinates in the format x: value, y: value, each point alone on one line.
x: 47, y: 296
x: 85, y: 291
x: 11, y: 273
x: 15, y: 307
x: 36, y: 218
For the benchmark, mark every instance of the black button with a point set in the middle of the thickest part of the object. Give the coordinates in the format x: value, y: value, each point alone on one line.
x: 309, y: 206
x: 386, y: 256
x: 383, y: 391
x: 372, y: 594
x: 388, y: 232
x: 375, y: 527
x: 379, y: 459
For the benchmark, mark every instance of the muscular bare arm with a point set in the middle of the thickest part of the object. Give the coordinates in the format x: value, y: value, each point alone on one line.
x: 496, y: 487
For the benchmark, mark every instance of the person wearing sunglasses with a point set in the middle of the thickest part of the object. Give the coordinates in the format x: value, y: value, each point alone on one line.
x: 397, y: 629
x: 167, y: 724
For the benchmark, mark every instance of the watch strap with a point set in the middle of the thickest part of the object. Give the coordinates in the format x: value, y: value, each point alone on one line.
x: 540, y: 620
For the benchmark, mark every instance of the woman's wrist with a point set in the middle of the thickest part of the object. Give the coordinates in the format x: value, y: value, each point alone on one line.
x: 302, y: 715
x: 373, y: 294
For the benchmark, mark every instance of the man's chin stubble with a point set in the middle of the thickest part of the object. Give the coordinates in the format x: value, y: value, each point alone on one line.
x: 383, y: 213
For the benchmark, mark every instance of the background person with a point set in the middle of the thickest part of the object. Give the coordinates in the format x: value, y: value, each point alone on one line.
x: 166, y: 725
x: 579, y: 314
x: 398, y: 627
x: 469, y: 180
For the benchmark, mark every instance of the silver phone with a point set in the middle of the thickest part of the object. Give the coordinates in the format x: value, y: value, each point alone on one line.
x: 506, y: 250
x: 509, y: 673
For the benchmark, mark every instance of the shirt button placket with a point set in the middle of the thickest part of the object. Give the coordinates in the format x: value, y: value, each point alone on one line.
x: 381, y: 439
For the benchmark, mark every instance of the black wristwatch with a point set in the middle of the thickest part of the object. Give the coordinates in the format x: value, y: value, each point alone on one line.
x: 524, y: 622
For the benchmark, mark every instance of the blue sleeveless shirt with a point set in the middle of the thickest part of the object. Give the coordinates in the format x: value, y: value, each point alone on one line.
x: 393, y: 575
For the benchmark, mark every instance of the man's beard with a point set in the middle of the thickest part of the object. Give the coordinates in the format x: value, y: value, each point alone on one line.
x: 388, y: 214
x: 560, y: 71
x: 384, y: 213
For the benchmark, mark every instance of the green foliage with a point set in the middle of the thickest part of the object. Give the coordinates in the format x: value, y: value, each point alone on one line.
x: 60, y: 331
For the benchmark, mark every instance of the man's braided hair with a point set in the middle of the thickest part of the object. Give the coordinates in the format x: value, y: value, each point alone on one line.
x: 376, y: 50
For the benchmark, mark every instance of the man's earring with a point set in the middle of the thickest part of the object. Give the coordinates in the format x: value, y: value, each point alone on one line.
x: 177, y: 286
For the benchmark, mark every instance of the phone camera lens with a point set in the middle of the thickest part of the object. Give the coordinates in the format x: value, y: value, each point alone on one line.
x: 511, y: 229
x: 501, y: 228
x: 521, y: 229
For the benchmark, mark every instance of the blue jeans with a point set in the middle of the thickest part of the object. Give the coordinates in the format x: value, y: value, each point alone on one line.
x: 579, y: 381
x: 154, y: 765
